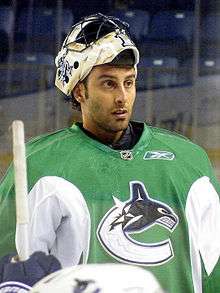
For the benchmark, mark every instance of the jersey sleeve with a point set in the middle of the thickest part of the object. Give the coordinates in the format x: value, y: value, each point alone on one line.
x: 7, y: 213
x: 203, y: 213
x: 209, y: 171
x: 211, y: 282
x: 59, y: 220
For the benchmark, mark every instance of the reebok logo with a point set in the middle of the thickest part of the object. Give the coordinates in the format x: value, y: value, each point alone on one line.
x: 159, y: 155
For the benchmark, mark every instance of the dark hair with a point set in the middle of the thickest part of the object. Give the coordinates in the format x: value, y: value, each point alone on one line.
x: 75, y: 104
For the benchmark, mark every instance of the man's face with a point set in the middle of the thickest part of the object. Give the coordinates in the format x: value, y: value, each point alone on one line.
x: 108, y: 100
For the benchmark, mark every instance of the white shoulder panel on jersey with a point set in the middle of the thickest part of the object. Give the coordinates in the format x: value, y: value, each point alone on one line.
x: 203, y: 213
x: 59, y: 220
x: 101, y: 278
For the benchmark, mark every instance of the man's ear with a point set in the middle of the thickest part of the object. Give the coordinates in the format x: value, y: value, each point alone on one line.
x: 79, y: 92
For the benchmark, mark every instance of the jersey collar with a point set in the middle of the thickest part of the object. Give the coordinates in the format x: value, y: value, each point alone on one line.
x: 141, y: 144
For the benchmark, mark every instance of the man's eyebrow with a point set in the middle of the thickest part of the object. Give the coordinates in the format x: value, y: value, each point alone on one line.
x: 104, y: 76
x: 131, y: 76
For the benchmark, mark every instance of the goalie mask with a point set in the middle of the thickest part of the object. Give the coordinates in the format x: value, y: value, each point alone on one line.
x: 96, y: 40
x: 99, y: 278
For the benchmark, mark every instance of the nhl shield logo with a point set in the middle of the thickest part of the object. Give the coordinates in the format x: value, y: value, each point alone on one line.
x: 137, y: 215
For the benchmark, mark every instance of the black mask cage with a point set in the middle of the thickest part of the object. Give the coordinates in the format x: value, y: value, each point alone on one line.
x: 98, y: 26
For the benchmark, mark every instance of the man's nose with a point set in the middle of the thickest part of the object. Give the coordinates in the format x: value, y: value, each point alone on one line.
x: 121, y: 95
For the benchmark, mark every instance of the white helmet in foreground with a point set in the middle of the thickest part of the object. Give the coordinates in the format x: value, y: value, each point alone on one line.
x: 95, y: 40
x: 99, y: 278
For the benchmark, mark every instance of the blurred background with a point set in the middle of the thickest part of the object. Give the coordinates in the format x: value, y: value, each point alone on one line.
x: 178, y: 85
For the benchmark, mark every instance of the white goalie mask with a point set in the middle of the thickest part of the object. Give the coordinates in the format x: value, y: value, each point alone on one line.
x: 95, y: 40
x: 99, y: 278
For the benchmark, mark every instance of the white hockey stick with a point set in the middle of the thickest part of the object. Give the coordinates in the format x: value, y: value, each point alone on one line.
x: 20, y: 173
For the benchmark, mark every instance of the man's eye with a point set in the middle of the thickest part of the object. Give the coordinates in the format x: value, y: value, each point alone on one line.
x: 129, y: 83
x: 108, y: 84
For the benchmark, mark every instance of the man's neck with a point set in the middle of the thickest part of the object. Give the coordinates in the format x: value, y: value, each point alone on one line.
x: 127, y: 140
x: 104, y: 136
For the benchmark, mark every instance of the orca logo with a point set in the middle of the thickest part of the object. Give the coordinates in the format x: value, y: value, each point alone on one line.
x: 136, y: 215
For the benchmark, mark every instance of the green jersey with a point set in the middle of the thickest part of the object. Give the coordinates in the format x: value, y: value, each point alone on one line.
x: 155, y: 206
